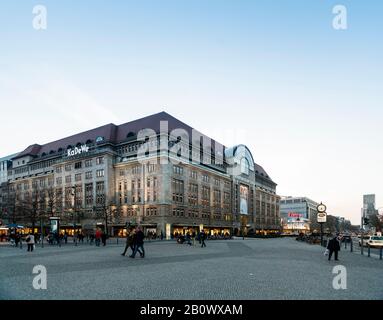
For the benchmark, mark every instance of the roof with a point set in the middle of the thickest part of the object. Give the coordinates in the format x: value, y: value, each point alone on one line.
x: 8, y: 158
x: 112, y: 133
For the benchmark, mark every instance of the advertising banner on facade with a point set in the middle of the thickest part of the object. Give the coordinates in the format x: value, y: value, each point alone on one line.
x: 244, y: 196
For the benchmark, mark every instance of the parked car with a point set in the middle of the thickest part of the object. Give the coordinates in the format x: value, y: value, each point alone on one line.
x: 372, y: 241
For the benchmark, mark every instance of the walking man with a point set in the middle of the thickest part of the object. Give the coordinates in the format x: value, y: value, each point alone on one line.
x: 203, y: 238
x: 129, y: 242
x: 333, y: 247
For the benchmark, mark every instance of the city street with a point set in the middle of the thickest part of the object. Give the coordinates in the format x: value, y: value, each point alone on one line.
x: 233, y: 269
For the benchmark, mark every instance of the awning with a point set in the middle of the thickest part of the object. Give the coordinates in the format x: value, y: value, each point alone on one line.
x: 14, y: 225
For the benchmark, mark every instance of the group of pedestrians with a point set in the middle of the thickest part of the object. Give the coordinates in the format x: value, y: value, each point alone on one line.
x: 135, y: 241
x: 190, y: 238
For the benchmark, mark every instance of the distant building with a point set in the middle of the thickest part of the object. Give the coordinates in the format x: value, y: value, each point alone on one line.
x: 5, y: 165
x: 368, y: 209
x: 297, y: 214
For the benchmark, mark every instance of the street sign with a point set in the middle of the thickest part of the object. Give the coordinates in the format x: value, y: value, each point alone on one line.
x: 322, y: 217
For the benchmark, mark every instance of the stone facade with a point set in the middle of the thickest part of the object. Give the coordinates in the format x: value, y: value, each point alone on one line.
x: 111, y: 183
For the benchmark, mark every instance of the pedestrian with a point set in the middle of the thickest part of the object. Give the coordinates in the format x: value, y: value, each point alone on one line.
x: 162, y: 235
x: 203, y: 238
x: 129, y: 242
x: 31, y: 242
x: 17, y: 239
x: 98, y: 237
x: 333, y: 247
x: 103, y: 238
x: 139, y: 243
x: 188, y: 238
x: 193, y: 237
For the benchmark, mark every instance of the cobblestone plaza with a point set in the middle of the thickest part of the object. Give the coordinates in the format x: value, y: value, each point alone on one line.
x: 233, y: 269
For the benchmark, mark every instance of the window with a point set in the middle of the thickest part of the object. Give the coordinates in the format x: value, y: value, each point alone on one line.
x: 100, y: 173
x: 68, y: 179
x: 178, y: 170
x: 89, y: 194
x: 88, y: 163
x: 100, y: 193
x: 99, y: 160
x: 178, y: 190
x: 151, y: 168
x: 78, y: 165
x: 205, y: 178
x: 205, y: 196
x: 193, y: 175
x: 88, y: 175
x: 136, y: 170
x: 59, y: 180
x: 68, y: 167
x: 77, y: 177
x: 59, y: 169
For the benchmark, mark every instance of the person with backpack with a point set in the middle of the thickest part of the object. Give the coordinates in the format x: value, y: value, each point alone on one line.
x: 31, y: 242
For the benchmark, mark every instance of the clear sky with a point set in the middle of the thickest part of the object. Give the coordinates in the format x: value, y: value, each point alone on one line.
x: 273, y: 74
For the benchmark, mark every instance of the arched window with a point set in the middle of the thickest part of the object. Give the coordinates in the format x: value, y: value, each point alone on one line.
x: 60, y: 150
x: 99, y: 139
x: 244, y: 166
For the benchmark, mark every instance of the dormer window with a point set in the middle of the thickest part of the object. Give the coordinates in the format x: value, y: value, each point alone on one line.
x: 99, y: 139
x: 130, y: 135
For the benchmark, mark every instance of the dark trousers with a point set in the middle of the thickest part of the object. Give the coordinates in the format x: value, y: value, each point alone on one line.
x: 126, y: 248
x: 203, y: 243
x: 137, y: 249
x: 330, y: 254
x: 30, y: 247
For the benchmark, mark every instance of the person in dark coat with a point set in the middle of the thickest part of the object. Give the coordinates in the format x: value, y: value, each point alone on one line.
x: 139, y: 243
x: 103, y: 238
x: 333, y: 246
x: 203, y: 238
x: 129, y: 242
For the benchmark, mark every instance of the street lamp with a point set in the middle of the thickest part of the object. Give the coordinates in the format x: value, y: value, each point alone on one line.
x: 74, y: 215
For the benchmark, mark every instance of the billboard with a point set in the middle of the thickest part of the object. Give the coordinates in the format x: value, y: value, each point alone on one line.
x: 244, y: 196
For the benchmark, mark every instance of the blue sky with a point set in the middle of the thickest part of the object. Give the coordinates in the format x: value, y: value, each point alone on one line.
x: 275, y: 75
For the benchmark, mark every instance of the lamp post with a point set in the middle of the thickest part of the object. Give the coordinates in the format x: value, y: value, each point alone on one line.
x: 321, y: 218
x: 74, y: 215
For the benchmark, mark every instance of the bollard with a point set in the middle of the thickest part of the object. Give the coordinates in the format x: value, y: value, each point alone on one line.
x: 369, y: 251
x: 351, y: 246
x: 380, y: 255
